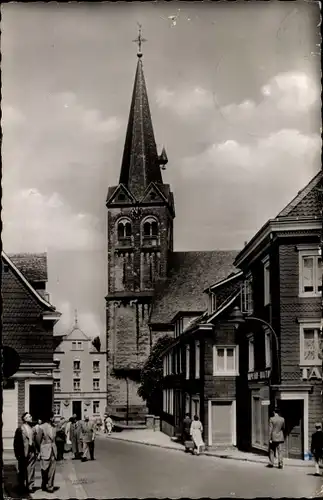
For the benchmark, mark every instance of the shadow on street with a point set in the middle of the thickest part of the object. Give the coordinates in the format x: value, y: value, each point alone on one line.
x: 10, y: 482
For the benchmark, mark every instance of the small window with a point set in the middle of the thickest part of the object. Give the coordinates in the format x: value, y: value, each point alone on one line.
x: 268, y: 349
x: 57, y: 364
x: 266, y: 283
x: 150, y: 228
x: 187, y: 362
x: 310, y: 274
x: 77, y: 384
x: 76, y: 365
x: 96, y: 407
x: 96, y: 384
x: 80, y: 346
x: 311, y: 345
x: 96, y: 366
x: 57, y: 408
x: 74, y: 346
x: 57, y: 385
x: 246, y: 296
x: 251, y: 355
x: 124, y: 229
x: 225, y: 360
x: 212, y: 303
x: 197, y: 359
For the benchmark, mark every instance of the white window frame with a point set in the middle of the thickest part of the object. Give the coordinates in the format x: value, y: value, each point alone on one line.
x: 195, y: 405
x: 187, y: 361
x: 57, y: 384
x: 96, y: 403
x: 247, y: 295
x: 74, y: 345
x: 267, y: 282
x: 212, y: 302
x: 75, y: 388
x: 168, y: 401
x: 226, y: 373
x: 197, y: 359
x: 251, y: 353
x: 268, y: 349
x: 165, y: 365
x: 57, y: 408
x: 318, y: 340
x: 95, y: 386
x: 313, y: 253
x: 79, y: 345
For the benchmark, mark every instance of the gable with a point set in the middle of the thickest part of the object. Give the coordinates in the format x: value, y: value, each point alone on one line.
x: 120, y: 196
x: 153, y: 195
x: 307, y: 201
x: 77, y: 334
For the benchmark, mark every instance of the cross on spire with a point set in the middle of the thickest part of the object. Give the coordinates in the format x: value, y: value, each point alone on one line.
x: 139, y: 40
x: 75, y: 318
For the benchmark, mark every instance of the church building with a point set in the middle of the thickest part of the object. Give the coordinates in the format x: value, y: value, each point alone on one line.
x: 144, y: 272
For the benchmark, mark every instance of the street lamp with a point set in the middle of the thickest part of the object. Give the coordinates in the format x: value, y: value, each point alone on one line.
x: 237, y: 318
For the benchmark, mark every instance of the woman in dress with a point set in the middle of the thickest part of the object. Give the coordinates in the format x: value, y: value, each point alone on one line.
x: 196, y: 433
x: 68, y: 441
x: 108, y: 424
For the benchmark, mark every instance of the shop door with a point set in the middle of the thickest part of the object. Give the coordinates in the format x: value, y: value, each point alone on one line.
x: 293, y: 413
x: 222, y: 423
x: 40, y: 401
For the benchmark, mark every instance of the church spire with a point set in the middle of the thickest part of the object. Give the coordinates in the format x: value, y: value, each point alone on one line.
x: 140, y: 163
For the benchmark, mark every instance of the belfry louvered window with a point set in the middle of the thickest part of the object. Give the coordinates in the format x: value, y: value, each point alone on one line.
x: 124, y: 229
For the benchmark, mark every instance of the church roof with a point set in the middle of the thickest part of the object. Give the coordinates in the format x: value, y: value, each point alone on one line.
x: 190, y: 274
x: 140, y: 163
x: 32, y: 265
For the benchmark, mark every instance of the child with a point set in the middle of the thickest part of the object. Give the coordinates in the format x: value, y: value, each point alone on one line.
x: 317, y: 447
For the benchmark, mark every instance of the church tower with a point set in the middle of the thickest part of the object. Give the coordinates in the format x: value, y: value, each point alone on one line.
x: 140, y: 239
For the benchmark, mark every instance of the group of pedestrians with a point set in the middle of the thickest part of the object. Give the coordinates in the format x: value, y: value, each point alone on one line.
x: 48, y: 442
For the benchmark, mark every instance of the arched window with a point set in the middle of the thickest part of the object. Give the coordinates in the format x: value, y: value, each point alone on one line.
x: 124, y: 229
x: 150, y: 228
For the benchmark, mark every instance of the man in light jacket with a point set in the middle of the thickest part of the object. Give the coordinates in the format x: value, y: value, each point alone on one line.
x: 87, y: 438
x: 276, y: 438
x: 48, y: 453
x: 25, y: 451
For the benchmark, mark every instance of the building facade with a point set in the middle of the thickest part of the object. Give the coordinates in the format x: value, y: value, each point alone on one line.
x: 28, y: 320
x: 201, y: 368
x: 79, y: 377
x: 282, y: 265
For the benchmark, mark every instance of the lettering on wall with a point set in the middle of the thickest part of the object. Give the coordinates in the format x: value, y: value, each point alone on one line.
x: 312, y: 373
x: 264, y: 374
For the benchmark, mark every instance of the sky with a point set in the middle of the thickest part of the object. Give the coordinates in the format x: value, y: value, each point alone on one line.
x: 234, y: 93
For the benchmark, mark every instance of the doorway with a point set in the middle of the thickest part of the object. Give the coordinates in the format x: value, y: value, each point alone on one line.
x: 77, y: 409
x: 40, y: 401
x: 293, y: 413
x: 221, y: 421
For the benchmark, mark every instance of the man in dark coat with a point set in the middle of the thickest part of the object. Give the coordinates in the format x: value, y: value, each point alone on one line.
x: 25, y: 451
x: 317, y: 447
x: 88, y: 435
x: 276, y: 438
x: 75, y: 432
x: 186, y: 436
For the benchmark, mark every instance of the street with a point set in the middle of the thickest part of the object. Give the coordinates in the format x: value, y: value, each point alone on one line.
x: 124, y: 469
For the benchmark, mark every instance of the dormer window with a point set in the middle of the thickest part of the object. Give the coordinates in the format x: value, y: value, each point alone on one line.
x: 246, y: 295
x: 212, y: 303
x: 124, y: 229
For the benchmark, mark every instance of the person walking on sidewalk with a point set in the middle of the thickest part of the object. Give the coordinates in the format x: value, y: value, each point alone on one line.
x: 108, y: 425
x: 75, y: 433
x: 25, y: 451
x: 317, y: 447
x: 276, y: 438
x: 46, y: 443
x: 87, y: 437
x: 92, y: 442
x: 196, y: 433
x: 186, y: 430
x: 60, y: 439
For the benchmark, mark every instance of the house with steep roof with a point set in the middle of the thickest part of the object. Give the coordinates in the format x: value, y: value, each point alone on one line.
x: 201, y: 367
x: 79, y: 376
x: 28, y: 319
x: 148, y: 282
x: 282, y: 268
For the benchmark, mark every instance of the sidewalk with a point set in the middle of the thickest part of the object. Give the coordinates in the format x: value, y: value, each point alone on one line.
x: 157, y: 438
x: 66, y: 481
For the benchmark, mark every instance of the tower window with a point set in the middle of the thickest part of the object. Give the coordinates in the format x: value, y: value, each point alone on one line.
x: 124, y: 229
x: 150, y: 228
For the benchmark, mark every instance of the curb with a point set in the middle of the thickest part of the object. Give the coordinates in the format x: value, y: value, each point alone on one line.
x: 209, y: 454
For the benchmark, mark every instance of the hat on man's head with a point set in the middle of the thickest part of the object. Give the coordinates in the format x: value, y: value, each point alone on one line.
x: 318, y: 425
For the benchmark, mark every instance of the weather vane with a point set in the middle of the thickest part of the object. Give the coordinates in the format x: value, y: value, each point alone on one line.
x: 139, y: 40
